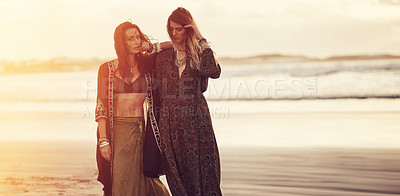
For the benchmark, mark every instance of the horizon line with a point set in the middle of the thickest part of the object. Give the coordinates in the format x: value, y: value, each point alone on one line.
x: 314, y: 57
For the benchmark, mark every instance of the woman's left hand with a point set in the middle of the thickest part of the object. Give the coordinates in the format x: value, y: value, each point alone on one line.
x: 196, y: 31
x: 145, y: 46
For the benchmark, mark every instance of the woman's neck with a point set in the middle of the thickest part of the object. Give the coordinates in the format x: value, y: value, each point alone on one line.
x: 132, y: 68
x: 131, y: 60
x: 180, y: 47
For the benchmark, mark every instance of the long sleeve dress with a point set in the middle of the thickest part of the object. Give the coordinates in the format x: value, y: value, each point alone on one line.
x: 192, y: 162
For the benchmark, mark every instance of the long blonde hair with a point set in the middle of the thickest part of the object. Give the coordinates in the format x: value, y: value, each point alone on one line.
x: 183, y: 17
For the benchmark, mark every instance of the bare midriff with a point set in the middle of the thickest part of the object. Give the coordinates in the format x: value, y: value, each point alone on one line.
x: 129, y: 104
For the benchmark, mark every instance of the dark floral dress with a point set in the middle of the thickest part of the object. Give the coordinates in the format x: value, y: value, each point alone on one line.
x: 188, y: 142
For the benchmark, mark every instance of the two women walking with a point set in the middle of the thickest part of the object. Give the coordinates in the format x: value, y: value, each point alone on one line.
x: 158, y: 88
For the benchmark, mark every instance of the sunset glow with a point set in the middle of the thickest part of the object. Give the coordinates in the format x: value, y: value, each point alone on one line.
x: 45, y: 28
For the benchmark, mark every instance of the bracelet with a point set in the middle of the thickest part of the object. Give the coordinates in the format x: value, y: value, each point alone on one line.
x: 202, y: 40
x: 151, y: 47
x: 158, y: 47
x: 204, y: 45
x: 102, y: 140
x: 104, y: 144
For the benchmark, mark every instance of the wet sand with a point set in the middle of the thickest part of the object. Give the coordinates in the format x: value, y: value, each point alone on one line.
x: 68, y: 168
x: 310, y: 171
x: 283, y: 148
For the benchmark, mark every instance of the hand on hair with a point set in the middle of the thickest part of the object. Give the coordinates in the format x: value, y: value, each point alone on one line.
x: 146, y: 46
x: 196, y: 31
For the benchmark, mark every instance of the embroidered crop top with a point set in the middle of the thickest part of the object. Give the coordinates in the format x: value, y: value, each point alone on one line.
x: 137, y: 86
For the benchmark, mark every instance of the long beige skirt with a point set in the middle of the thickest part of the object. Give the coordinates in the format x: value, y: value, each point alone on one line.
x: 128, y: 178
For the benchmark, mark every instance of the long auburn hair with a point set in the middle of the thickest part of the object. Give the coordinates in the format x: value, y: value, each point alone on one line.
x: 183, y: 17
x: 122, y: 51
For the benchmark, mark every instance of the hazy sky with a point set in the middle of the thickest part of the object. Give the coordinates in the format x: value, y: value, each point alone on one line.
x: 75, y: 28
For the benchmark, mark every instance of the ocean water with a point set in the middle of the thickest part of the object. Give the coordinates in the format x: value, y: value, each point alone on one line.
x: 308, y: 80
x: 282, y: 129
x: 279, y: 81
x: 285, y: 104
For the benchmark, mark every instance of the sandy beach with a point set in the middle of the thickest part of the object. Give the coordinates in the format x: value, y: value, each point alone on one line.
x: 308, y: 147
x: 65, y: 168
x: 311, y: 171
x: 307, y: 101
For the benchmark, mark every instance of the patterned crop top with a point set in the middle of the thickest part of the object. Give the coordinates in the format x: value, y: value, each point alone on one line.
x: 137, y: 86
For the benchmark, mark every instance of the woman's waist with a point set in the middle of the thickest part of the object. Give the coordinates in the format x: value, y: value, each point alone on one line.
x: 128, y: 119
x: 128, y: 111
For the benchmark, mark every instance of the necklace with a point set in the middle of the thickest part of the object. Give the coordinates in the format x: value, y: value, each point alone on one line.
x: 130, y: 68
x: 180, y: 62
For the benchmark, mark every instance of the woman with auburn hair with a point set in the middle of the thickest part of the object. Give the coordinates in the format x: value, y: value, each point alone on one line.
x: 124, y: 90
x: 188, y: 142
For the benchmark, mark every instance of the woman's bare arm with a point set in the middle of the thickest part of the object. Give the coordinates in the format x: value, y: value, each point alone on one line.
x: 105, y: 150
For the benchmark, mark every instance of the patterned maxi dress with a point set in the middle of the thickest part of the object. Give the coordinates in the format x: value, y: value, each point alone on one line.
x: 190, y: 150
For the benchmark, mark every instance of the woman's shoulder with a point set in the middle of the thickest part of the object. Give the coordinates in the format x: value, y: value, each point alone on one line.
x: 105, y: 66
x: 165, y: 53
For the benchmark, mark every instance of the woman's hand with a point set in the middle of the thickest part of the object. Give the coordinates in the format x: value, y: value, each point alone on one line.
x: 146, y: 46
x: 106, y: 152
x: 196, y: 31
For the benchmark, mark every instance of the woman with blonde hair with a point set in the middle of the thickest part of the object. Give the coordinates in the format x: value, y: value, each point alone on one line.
x: 188, y: 142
